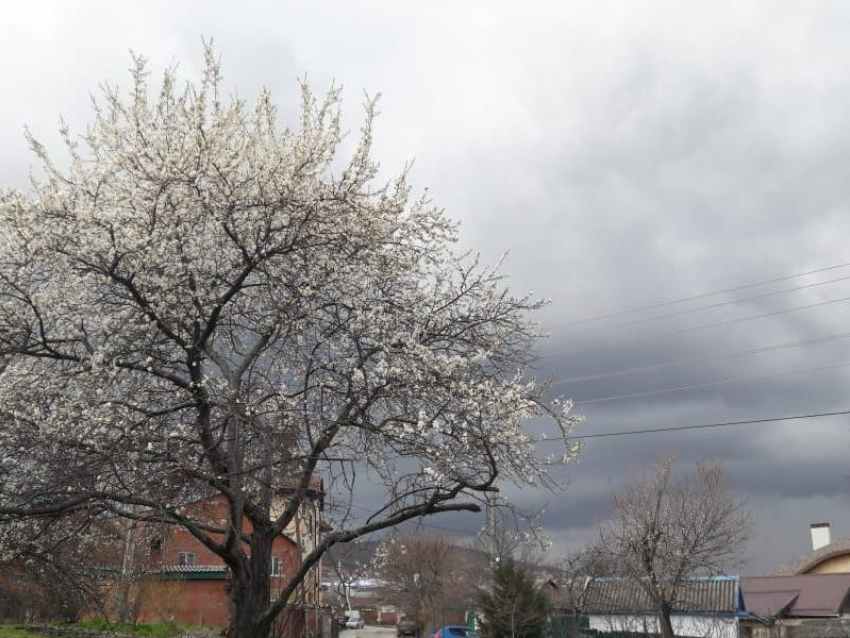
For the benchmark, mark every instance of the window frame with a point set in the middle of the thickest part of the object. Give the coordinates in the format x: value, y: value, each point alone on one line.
x: 276, y: 566
x: 187, y: 559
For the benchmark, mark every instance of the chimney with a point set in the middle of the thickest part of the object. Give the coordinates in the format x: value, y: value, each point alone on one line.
x: 820, y: 535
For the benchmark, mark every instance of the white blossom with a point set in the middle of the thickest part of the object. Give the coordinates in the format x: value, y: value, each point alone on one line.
x: 198, y: 304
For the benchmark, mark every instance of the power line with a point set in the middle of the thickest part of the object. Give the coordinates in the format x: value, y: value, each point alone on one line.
x: 702, y: 426
x: 710, y: 384
x: 678, y: 428
x: 684, y: 362
x: 719, y: 304
x: 620, y: 342
x: 702, y: 295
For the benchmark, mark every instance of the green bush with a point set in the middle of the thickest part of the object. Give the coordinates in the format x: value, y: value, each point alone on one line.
x: 11, y: 631
x: 153, y: 630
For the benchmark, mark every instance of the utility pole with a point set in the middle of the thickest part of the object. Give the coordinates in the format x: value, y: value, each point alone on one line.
x: 492, y: 534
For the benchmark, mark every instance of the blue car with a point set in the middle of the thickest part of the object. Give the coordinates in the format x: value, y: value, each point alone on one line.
x: 456, y: 631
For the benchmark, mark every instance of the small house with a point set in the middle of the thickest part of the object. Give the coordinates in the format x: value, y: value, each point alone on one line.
x: 706, y: 607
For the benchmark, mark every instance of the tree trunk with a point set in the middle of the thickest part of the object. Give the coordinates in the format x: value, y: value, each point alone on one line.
x: 575, y: 624
x: 665, y: 624
x: 126, y: 578
x: 245, y: 622
x: 250, y: 592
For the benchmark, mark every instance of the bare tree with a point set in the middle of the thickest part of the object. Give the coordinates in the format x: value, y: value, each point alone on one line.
x: 350, y: 564
x: 570, y: 592
x: 665, y: 532
x: 40, y: 569
x: 201, y: 305
x: 509, y: 534
x: 423, y: 573
x: 496, y: 541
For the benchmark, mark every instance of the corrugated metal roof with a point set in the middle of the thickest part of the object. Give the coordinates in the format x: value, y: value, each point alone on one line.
x: 192, y: 572
x: 805, y: 595
x: 190, y: 569
x: 189, y: 572
x: 696, y: 596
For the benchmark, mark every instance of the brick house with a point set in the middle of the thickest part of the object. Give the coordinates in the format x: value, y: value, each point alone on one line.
x: 178, y: 579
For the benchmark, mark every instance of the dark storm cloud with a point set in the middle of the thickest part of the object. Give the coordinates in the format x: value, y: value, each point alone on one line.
x: 623, y: 154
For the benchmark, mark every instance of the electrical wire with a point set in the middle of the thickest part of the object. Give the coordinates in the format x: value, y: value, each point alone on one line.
x: 710, y: 384
x: 702, y: 295
x: 719, y: 304
x: 679, y: 428
x: 676, y: 428
x: 620, y: 342
x: 683, y: 362
x: 703, y: 426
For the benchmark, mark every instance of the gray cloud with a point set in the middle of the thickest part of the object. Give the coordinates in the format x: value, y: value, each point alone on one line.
x: 623, y: 154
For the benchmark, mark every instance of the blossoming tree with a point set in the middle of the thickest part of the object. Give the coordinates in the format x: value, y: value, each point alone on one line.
x: 198, y: 303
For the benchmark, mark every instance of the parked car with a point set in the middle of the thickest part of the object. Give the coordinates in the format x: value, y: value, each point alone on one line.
x: 353, y: 620
x: 456, y: 631
x: 405, y: 628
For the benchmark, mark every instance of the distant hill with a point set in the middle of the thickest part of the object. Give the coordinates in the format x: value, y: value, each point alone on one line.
x: 357, y: 556
x: 353, y: 554
x: 362, y: 552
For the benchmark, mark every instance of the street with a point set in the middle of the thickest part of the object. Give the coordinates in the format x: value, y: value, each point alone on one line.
x: 368, y: 632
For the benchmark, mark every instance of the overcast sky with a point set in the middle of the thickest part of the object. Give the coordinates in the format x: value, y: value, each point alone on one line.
x: 624, y: 154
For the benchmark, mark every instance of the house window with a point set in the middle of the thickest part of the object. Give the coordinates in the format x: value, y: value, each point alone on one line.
x: 186, y: 559
x: 276, y: 565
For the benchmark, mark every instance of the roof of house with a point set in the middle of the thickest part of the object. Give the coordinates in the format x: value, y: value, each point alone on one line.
x: 187, y: 572
x: 368, y: 601
x: 717, y: 595
x: 804, y: 595
x: 192, y: 572
x: 190, y: 568
x: 807, y: 561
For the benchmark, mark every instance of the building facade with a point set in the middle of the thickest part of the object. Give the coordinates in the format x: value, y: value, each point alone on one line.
x: 167, y: 575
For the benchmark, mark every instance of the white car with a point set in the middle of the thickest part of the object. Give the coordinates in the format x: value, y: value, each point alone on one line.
x: 354, y: 621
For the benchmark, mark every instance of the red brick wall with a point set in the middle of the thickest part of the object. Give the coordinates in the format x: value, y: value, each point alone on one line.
x: 189, y: 602
x: 214, y: 511
x: 179, y: 540
x: 198, y: 600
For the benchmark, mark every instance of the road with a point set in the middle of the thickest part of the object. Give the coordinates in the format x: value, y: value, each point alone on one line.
x: 368, y: 632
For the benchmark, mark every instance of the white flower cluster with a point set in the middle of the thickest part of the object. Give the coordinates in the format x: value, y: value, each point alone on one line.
x: 199, y: 304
